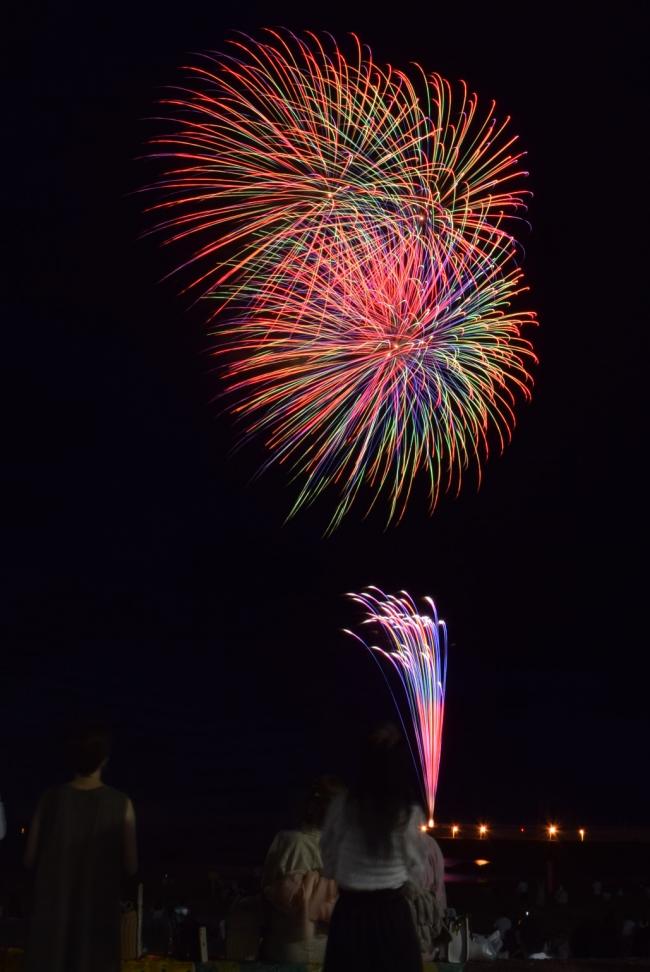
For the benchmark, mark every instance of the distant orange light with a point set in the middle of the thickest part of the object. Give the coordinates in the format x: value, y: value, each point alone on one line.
x: 481, y: 862
x: 423, y: 828
x: 483, y: 830
x: 431, y: 822
x: 552, y: 831
x: 582, y: 833
x: 522, y: 830
x: 23, y: 830
x: 454, y: 830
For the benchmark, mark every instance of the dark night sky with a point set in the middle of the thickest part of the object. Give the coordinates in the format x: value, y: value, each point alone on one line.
x: 148, y: 577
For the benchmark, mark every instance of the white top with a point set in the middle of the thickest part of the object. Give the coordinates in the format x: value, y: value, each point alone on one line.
x: 346, y: 858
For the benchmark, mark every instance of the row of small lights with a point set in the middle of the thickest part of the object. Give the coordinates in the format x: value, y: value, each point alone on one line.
x: 552, y: 830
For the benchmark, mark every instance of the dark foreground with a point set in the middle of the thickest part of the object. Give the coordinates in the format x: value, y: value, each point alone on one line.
x: 579, y: 902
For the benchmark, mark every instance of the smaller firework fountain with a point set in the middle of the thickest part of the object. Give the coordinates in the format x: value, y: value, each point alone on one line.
x: 416, y: 646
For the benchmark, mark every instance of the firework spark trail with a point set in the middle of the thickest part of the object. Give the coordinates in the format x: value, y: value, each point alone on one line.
x: 278, y: 136
x: 375, y: 362
x: 416, y: 646
x: 281, y: 135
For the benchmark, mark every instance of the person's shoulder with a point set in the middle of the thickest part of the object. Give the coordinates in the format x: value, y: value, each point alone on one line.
x: 115, y: 791
x: 416, y: 813
x: 117, y: 804
x: 286, y: 838
x: 51, y: 799
x: 116, y: 796
x: 291, y: 850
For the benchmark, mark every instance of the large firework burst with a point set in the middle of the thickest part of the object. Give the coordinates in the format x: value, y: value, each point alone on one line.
x: 354, y: 227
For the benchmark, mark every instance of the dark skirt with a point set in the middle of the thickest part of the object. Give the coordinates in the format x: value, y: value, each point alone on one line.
x: 372, y: 931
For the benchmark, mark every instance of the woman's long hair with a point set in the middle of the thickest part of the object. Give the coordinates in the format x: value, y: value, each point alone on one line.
x: 384, y: 789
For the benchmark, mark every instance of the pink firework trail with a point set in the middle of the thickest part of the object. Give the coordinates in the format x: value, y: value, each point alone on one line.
x: 416, y: 646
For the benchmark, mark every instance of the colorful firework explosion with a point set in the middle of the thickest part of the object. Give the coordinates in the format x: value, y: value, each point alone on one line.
x: 353, y: 227
x: 416, y: 646
x: 375, y: 362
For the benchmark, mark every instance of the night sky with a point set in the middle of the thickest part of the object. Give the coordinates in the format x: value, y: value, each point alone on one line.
x: 150, y: 580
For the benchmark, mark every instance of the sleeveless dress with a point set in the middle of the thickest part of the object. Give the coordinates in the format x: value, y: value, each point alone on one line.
x: 75, y: 922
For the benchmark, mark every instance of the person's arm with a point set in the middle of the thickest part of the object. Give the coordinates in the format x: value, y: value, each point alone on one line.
x: 130, y: 843
x: 32, y: 838
x: 322, y: 895
x: 292, y: 881
x: 331, y: 836
x: 415, y: 849
x: 306, y: 895
x: 289, y: 893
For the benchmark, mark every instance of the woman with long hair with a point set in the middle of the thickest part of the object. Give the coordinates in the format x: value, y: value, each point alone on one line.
x: 372, y: 847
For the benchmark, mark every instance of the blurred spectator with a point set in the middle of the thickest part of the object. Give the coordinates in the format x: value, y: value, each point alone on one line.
x: 504, y: 926
x: 300, y: 900
x: 81, y: 840
x: 429, y: 904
